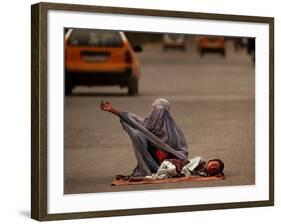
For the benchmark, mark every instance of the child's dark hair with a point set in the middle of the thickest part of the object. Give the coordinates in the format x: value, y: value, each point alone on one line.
x: 221, y: 165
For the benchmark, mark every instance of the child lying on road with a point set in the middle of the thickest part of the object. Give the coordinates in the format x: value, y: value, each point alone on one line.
x: 171, y: 168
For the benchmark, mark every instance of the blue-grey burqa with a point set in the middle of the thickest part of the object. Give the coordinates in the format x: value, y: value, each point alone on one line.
x: 159, y: 130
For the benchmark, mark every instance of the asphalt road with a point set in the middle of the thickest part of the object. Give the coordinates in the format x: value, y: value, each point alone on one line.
x: 212, y: 100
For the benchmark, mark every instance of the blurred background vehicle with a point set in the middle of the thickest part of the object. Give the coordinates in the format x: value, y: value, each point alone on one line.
x: 251, y: 48
x: 211, y: 44
x: 176, y: 41
x: 100, y: 58
x: 240, y: 43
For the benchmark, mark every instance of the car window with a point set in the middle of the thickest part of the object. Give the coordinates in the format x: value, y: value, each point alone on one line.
x: 213, y: 38
x: 95, y: 38
x: 174, y: 36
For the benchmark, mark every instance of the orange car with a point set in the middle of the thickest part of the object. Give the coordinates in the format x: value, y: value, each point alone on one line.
x: 211, y: 44
x: 100, y: 58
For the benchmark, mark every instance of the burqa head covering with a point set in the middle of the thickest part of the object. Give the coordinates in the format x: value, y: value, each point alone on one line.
x: 161, y: 103
x: 161, y: 123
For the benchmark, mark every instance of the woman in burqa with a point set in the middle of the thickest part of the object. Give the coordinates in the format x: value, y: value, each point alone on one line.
x: 154, y: 138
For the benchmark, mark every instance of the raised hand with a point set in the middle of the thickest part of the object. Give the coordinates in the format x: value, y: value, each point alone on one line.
x: 106, y: 106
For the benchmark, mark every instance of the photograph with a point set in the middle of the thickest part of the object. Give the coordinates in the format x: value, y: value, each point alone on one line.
x: 153, y: 111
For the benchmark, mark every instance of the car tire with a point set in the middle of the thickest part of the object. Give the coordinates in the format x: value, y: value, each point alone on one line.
x: 223, y: 53
x: 68, y: 85
x: 133, y: 88
x: 67, y: 89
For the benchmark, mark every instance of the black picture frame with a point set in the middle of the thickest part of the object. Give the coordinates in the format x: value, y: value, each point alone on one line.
x: 39, y: 105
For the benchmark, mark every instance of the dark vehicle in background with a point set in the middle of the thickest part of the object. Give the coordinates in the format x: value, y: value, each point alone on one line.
x: 175, y: 41
x: 211, y: 44
x: 240, y: 43
x: 251, y: 48
x: 100, y: 58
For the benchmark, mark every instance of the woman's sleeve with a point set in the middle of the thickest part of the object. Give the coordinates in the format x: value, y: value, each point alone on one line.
x: 131, y: 118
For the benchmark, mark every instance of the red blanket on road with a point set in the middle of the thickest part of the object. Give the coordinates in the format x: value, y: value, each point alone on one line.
x: 122, y: 182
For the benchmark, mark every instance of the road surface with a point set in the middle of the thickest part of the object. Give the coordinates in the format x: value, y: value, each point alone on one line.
x: 212, y: 100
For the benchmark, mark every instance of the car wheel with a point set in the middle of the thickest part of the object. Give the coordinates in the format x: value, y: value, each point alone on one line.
x: 68, y: 86
x: 133, y: 88
x: 223, y: 53
x: 67, y: 89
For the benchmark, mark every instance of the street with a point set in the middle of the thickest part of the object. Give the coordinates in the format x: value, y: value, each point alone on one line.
x: 212, y: 100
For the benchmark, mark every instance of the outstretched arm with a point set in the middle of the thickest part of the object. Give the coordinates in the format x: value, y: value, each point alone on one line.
x: 107, y: 106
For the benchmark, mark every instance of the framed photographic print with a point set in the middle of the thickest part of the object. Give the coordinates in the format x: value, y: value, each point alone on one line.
x: 139, y: 111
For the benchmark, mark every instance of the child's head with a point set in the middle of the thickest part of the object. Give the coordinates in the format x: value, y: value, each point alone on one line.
x: 214, y: 167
